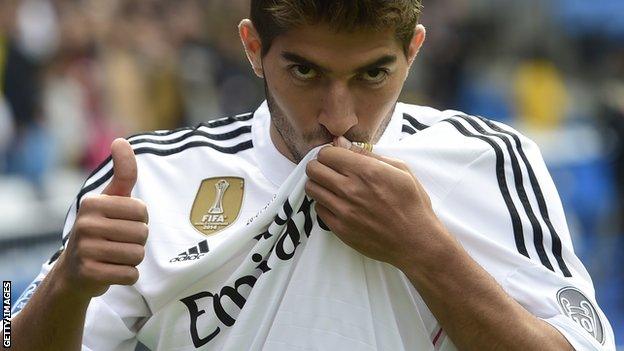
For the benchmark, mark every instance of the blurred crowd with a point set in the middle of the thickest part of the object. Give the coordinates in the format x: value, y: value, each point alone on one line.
x: 77, y: 73
x: 74, y: 74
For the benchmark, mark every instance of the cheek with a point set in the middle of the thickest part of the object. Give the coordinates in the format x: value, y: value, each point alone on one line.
x: 298, y: 104
x: 390, y: 93
x: 373, y: 105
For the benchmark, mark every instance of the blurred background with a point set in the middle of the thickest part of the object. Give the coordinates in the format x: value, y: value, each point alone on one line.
x: 74, y: 74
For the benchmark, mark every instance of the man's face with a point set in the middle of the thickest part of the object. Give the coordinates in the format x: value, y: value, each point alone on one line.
x: 321, y: 84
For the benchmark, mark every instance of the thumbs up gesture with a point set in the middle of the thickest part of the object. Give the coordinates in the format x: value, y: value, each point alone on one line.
x: 109, y: 234
x: 124, y: 169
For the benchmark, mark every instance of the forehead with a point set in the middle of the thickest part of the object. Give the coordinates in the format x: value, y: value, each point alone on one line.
x: 339, y: 50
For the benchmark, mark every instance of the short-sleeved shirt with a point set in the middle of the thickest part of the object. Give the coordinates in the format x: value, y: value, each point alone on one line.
x: 237, y: 258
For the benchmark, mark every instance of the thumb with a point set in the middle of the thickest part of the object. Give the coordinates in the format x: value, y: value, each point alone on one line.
x: 124, y: 169
x: 366, y: 149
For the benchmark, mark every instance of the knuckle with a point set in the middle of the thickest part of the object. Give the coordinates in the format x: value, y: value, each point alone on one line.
x: 144, y: 233
x: 309, y: 187
x: 130, y: 276
x: 370, y: 172
x: 342, y: 190
x: 87, y: 203
x: 141, y: 209
x: 310, y: 167
x: 79, y: 227
x: 141, y: 254
x: 349, y: 213
x: 138, y: 254
x: 88, y: 254
x: 85, y: 270
x: 401, y: 164
x: 91, y: 202
x: 81, y: 250
x: 140, y: 204
x: 86, y: 225
x: 350, y: 190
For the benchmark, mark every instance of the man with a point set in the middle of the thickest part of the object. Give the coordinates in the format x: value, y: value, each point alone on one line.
x: 460, y: 244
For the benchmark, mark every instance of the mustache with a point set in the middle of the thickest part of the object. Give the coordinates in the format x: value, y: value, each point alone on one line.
x: 323, y: 136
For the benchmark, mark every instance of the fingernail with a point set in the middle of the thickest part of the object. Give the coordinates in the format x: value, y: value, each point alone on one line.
x: 343, y: 142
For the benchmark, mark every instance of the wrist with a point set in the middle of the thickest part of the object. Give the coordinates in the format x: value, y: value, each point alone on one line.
x: 62, y: 287
x: 426, y: 248
x: 432, y: 260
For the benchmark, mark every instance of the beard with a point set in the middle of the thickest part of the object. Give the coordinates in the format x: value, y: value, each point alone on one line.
x: 299, y: 144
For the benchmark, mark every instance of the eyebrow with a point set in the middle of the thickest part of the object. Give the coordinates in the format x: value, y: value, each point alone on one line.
x: 384, y: 60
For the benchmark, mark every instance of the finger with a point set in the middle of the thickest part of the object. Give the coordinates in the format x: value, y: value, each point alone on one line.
x: 324, y: 196
x: 123, y: 231
x: 342, y: 160
x: 107, y: 273
x: 124, y: 169
x: 326, y: 177
x: 116, y: 207
x: 126, y: 208
x: 365, y: 149
x: 327, y: 217
x: 116, y: 253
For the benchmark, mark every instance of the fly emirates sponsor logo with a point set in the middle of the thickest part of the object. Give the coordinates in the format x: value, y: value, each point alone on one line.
x: 235, y: 294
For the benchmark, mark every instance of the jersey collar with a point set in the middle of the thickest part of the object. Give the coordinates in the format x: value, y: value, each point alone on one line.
x: 275, y: 166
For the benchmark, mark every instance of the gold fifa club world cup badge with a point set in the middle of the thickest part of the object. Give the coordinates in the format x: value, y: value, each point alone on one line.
x: 217, y: 204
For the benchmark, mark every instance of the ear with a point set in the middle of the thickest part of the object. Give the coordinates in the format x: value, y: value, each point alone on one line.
x: 420, y: 33
x: 252, y: 44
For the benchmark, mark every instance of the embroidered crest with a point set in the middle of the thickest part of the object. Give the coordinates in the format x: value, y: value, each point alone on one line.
x: 217, y: 204
x: 576, y: 306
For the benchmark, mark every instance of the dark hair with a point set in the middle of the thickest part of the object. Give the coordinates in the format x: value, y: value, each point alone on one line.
x: 274, y: 17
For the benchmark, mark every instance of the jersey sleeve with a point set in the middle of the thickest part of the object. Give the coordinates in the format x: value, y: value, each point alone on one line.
x: 112, y: 319
x: 507, y: 214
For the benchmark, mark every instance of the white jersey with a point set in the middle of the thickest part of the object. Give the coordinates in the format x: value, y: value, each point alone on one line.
x: 237, y: 258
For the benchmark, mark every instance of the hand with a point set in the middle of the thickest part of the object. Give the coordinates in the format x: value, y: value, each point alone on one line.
x: 374, y: 204
x: 109, y: 234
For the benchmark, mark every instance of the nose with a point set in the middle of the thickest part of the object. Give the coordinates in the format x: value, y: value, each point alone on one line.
x: 338, y: 111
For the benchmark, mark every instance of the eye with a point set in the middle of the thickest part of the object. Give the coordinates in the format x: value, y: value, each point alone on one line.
x: 303, y: 72
x: 375, y: 76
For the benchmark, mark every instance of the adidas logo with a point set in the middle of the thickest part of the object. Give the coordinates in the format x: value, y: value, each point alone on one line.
x: 194, y: 253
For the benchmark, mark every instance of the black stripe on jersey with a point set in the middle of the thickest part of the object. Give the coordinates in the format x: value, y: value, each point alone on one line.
x: 419, y: 126
x: 164, y: 152
x: 541, y: 202
x: 502, y: 184
x: 161, y: 133
x: 220, y: 137
x: 223, y: 136
x: 98, y: 168
x: 409, y: 130
x: 538, y: 234
x: 210, y: 124
x: 228, y: 120
x: 58, y: 253
x: 63, y: 239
